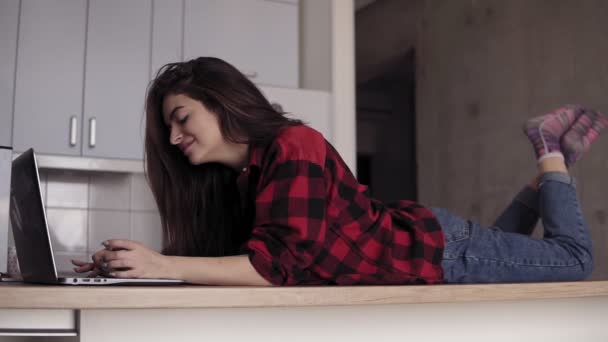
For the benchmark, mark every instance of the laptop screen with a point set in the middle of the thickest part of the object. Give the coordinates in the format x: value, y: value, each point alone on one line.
x: 29, y: 223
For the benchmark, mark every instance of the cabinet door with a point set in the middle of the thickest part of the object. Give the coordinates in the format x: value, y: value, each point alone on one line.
x: 38, y: 322
x: 9, y: 16
x: 166, y: 37
x: 310, y: 106
x: 166, y: 33
x: 48, y: 89
x: 117, y: 72
x: 258, y: 37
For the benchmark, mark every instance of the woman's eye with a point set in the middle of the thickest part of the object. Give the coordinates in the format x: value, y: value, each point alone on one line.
x: 183, y: 120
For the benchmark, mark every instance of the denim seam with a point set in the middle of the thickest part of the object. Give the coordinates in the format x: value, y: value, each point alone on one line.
x: 466, y: 234
x: 545, y: 180
x: 580, y: 218
x: 515, y: 263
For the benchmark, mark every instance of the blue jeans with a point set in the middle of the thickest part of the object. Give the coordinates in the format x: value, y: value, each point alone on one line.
x: 506, y: 253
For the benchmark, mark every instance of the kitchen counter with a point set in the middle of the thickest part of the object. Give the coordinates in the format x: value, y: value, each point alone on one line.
x: 569, y: 311
x: 29, y: 296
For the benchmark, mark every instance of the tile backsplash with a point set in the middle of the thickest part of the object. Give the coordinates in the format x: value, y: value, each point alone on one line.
x: 85, y: 208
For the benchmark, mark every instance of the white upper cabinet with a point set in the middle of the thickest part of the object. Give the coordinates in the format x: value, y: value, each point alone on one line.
x: 258, y: 37
x: 117, y: 74
x: 166, y: 33
x: 9, y: 18
x: 82, y: 72
x: 49, y: 85
x: 83, y: 66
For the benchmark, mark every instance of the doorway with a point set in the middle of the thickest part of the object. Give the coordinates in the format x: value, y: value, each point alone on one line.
x: 386, y: 131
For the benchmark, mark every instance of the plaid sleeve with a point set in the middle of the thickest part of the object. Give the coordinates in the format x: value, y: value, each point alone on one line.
x: 290, y: 223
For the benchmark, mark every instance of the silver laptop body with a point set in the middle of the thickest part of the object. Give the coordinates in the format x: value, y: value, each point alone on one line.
x: 31, y: 233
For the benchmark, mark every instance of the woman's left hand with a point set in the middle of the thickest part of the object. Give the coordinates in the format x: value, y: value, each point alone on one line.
x: 132, y: 259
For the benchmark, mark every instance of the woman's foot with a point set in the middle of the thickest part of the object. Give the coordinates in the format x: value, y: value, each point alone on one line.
x: 579, y: 137
x: 545, y: 132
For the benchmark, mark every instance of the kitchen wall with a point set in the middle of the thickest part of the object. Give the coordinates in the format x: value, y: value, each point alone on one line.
x: 483, y: 67
x: 85, y: 208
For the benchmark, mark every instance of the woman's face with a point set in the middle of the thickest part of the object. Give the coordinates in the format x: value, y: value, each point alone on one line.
x: 194, y: 129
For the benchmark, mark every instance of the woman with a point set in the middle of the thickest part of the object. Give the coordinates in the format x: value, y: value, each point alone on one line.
x: 248, y: 196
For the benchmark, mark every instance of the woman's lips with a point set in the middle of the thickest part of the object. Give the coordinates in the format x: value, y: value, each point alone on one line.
x: 187, y: 148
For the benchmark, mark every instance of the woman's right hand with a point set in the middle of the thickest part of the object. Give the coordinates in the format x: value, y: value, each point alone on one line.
x: 95, y: 268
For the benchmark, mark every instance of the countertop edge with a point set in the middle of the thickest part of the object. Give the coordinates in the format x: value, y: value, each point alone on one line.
x: 28, y: 296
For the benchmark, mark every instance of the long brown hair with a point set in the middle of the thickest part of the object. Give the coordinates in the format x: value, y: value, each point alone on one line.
x: 199, y: 205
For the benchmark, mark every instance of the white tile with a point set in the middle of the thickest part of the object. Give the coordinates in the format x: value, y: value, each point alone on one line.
x: 67, y: 189
x: 68, y: 228
x: 109, y: 190
x: 141, y: 194
x: 64, y: 263
x: 146, y: 228
x: 104, y: 225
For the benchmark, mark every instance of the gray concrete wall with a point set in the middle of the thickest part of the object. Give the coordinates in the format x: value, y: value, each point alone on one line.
x: 483, y: 67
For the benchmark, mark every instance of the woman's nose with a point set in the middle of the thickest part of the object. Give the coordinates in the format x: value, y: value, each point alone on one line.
x: 175, y: 137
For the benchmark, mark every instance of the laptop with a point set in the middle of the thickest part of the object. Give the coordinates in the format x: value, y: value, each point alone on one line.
x: 32, y: 238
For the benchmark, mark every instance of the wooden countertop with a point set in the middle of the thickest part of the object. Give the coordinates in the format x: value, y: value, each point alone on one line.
x: 29, y: 296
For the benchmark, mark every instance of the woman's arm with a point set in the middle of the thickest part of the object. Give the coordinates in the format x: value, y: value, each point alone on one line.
x: 131, y: 259
x: 229, y: 270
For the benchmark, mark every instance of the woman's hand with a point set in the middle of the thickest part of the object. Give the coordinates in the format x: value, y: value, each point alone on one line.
x: 126, y: 259
x: 97, y: 267
x: 84, y: 266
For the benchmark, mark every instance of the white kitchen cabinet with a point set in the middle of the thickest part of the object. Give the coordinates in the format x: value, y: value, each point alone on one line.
x: 83, y: 66
x: 311, y: 106
x: 50, y: 75
x: 117, y: 71
x: 258, y: 37
x: 166, y: 34
x: 82, y: 71
x: 9, y: 15
x: 43, y: 323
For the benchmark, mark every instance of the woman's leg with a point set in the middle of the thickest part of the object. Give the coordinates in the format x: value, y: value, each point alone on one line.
x: 522, y: 213
x: 478, y: 255
x: 569, y: 130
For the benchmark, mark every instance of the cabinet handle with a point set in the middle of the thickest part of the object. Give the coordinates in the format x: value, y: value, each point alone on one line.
x: 73, y: 130
x: 92, y: 132
x: 251, y: 74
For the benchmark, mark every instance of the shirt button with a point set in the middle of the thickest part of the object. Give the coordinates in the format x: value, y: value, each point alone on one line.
x: 244, y: 169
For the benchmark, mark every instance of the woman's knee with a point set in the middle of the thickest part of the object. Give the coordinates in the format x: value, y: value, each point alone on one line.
x: 584, y: 254
x: 580, y: 257
x: 587, y: 263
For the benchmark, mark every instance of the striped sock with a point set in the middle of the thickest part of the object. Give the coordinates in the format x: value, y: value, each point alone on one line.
x: 578, y: 139
x: 545, y: 132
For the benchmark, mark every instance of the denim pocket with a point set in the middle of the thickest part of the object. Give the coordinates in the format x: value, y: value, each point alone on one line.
x: 454, y: 227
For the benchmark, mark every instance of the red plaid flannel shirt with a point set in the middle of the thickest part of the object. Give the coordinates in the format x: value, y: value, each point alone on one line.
x: 315, y: 224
